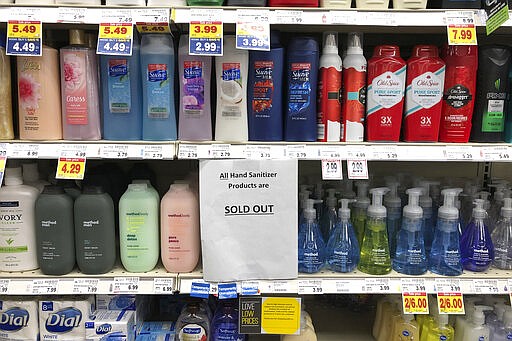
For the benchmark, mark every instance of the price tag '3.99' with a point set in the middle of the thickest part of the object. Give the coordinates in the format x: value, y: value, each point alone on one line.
x: 253, y: 30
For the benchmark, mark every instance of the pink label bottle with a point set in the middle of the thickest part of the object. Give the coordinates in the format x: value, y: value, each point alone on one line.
x: 79, y: 87
x: 179, y: 229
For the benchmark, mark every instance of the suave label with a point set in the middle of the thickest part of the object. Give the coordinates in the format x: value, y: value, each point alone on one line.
x: 75, y: 87
x: 193, y: 88
x: 231, y: 90
x: 158, y: 91
x: 299, y: 97
x: 119, y: 92
x: 193, y: 332
x: 263, y: 89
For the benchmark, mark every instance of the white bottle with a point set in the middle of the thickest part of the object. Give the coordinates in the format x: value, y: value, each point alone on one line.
x: 31, y: 176
x: 17, y: 223
x: 476, y: 329
x: 231, y: 73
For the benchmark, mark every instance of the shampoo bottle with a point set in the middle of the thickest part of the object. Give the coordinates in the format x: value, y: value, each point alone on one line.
x: 393, y: 205
x: 39, y: 105
x: 302, y: 75
x: 121, y: 88
x: 179, y: 221
x: 311, y: 243
x: 195, y: 114
x: 79, y: 88
x: 354, y: 90
x: 6, y: 129
x: 410, y: 258
x: 386, y: 86
x: 95, y: 236
x: 329, y: 87
x: 265, y: 92
x: 375, y: 258
x: 342, y: 247
x: 17, y: 227
x: 138, y: 228
x: 502, y: 238
x: 55, y: 233
x: 157, y: 67
x: 445, y: 258
x: 360, y: 208
x: 231, y: 72
x: 477, y: 249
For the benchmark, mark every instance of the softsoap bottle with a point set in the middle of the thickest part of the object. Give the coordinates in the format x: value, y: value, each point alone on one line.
x: 375, y: 258
x: 79, y: 88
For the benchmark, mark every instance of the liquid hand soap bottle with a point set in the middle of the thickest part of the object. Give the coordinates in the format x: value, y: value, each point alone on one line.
x: 504, y: 332
x: 342, y: 247
x: 360, y: 208
x: 477, y: 249
x: 445, y: 258
x: 440, y: 331
x: 476, y: 329
x: 329, y: 218
x: 502, y: 237
x: 428, y: 220
x: 393, y: 205
x: 311, y: 243
x: 405, y: 329
x: 375, y: 259
x: 410, y: 258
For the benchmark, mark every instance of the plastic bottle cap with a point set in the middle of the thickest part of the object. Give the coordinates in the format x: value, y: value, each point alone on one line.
x: 355, y: 43
x: 137, y: 187
x: 93, y: 190
x: 53, y: 189
x: 485, y: 196
x: 330, y: 46
x: 30, y: 172
x: 344, y: 211
x: 179, y: 187
x: 425, y: 199
x: 141, y: 181
x: 506, y: 210
x: 376, y: 209
x: 392, y: 200
x: 425, y: 51
x: 386, y: 51
x: 362, y: 199
x: 442, y: 320
x: 13, y: 176
x: 309, y: 209
x: 478, y: 314
x: 412, y: 210
x: 478, y: 210
x: 448, y: 210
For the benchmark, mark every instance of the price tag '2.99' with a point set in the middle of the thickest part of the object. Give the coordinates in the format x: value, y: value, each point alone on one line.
x: 24, y: 38
x: 357, y: 169
x: 331, y: 170
x: 461, y: 28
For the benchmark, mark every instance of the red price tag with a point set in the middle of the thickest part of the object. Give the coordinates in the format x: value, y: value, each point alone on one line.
x: 450, y: 303
x: 415, y: 302
x: 71, y: 168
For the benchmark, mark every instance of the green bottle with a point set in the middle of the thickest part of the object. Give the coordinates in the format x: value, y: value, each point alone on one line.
x: 139, y: 228
x: 359, y: 209
x: 375, y: 257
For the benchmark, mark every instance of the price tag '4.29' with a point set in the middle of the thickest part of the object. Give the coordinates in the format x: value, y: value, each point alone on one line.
x: 24, y: 38
x: 461, y: 28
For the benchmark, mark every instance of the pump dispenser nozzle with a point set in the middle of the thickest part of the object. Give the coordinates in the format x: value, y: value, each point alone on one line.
x: 485, y: 196
x: 309, y: 210
x: 362, y: 199
x: 425, y: 199
x: 478, y: 317
x: 506, y: 210
x: 331, y: 199
x: 392, y: 199
x: 376, y: 209
x: 412, y: 210
x: 330, y: 43
x: 344, y: 211
x: 448, y: 210
x: 478, y: 210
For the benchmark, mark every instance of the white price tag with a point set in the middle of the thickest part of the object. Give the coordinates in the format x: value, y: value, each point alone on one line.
x: 381, y: 18
x: 24, y: 151
x: 296, y: 151
x: 220, y: 151
x: 253, y: 29
x: 163, y: 286
x: 44, y: 286
x: 214, y: 288
x: 464, y: 153
x: 153, y: 152
x: 4, y: 286
x: 85, y: 286
x: 343, y: 17
x: 258, y: 152
x: 73, y: 151
x: 485, y: 286
x: 329, y: 152
x: 384, y: 152
x: 284, y: 287
x: 26, y: 13
x: 332, y: 170
x: 119, y: 16
x: 71, y: 15
x: 156, y: 15
x: 310, y: 286
x: 187, y: 151
x: 413, y: 285
x: 287, y: 17
x: 448, y: 285
x: 114, y: 151
x: 125, y: 285
x: 376, y: 285
x: 357, y: 153
x: 357, y: 169
x: 498, y: 153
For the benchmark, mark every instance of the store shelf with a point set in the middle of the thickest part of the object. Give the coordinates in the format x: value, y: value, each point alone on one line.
x: 117, y: 281
x: 493, y: 281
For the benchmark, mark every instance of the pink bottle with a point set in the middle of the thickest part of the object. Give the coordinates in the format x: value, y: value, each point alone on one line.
x: 179, y: 229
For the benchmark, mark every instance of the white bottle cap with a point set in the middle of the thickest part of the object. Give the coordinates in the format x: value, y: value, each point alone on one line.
x: 478, y: 210
x: 376, y: 209
x: 13, y: 176
x: 344, y: 211
x: 330, y: 44
x: 355, y: 43
x: 412, y: 210
x: 448, y: 210
x: 30, y: 172
x: 362, y: 199
x: 137, y: 187
x: 392, y: 200
x: 506, y: 210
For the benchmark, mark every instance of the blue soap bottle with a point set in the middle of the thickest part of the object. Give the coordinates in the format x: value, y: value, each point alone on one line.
x: 343, y: 247
x: 445, y: 258
x: 393, y: 205
x: 311, y: 243
x: 265, y: 92
x: 477, y: 249
x: 302, y: 76
x: 428, y: 215
x: 410, y: 257
x: 330, y: 216
x: 121, y: 87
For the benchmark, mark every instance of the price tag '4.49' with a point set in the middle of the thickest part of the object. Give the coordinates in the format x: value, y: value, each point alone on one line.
x: 24, y: 38
x: 461, y: 28
x: 115, y: 39
x: 205, y: 38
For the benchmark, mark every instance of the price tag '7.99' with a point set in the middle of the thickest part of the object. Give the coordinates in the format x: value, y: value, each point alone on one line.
x: 461, y: 28
x: 24, y: 38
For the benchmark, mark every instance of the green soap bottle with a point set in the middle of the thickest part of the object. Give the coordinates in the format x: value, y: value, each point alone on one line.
x: 375, y: 257
x: 139, y: 228
x: 359, y: 209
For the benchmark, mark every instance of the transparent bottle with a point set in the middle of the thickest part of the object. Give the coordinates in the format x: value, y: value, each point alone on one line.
x: 393, y: 205
x: 428, y: 216
x: 330, y: 217
x: 311, y: 243
x: 360, y: 208
x: 502, y: 237
x: 192, y: 324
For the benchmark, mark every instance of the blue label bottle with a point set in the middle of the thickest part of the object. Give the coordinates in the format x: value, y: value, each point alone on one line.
x: 265, y: 93
x: 302, y: 76
x: 311, y: 243
x: 158, y: 73
x: 121, y: 89
x: 225, y: 323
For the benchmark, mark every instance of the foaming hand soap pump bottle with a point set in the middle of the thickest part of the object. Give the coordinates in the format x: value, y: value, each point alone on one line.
x: 410, y: 258
x: 329, y: 217
x: 428, y: 220
x: 477, y: 249
x: 360, y: 208
x: 375, y: 258
x: 342, y: 247
x: 445, y: 258
x: 393, y: 205
x: 502, y: 237
x: 311, y: 243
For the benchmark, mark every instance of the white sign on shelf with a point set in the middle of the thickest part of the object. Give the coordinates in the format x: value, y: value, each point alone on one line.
x: 496, y: 153
x: 163, y: 286
x: 287, y: 17
x: 85, y: 286
x: 485, y: 286
x: 114, y: 151
x: 283, y: 287
x: 45, y: 286
x: 464, y: 153
x: 4, y: 286
x: 296, y: 151
x: 257, y: 152
x: 220, y: 151
x: 332, y: 169
x: 125, y: 285
x: 24, y: 151
x: 309, y: 286
x: 385, y: 152
x: 71, y: 15
x: 153, y: 152
x: 357, y: 169
x: 376, y: 285
x: 187, y: 151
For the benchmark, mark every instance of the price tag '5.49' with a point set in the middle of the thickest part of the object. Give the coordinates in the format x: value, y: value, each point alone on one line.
x: 205, y: 38
x: 24, y: 38
x: 115, y: 39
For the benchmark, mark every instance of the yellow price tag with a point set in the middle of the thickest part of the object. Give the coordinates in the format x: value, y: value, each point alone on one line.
x: 462, y: 34
x: 70, y: 168
x: 205, y: 29
x: 450, y: 303
x: 123, y: 31
x: 152, y: 27
x: 415, y: 302
x: 24, y: 29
